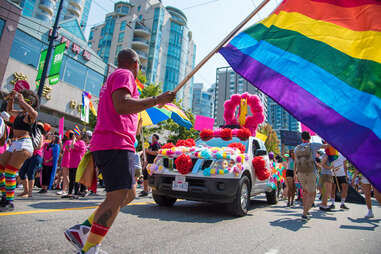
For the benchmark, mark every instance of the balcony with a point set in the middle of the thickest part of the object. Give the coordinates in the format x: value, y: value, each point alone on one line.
x: 47, y: 6
x: 141, y: 30
x: 77, y: 3
x: 139, y: 43
x: 74, y: 10
x: 142, y: 55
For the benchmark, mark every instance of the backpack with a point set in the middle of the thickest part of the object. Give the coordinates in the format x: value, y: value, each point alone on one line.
x: 304, y: 161
x: 36, y: 136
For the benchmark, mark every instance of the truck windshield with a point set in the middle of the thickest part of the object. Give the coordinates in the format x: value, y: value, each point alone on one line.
x: 218, y: 142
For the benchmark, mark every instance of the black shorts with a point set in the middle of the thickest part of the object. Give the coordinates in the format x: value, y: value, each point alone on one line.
x: 289, y: 173
x: 342, y: 179
x: 117, y: 168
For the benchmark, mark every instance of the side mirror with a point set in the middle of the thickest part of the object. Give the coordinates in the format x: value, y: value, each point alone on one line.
x: 260, y: 152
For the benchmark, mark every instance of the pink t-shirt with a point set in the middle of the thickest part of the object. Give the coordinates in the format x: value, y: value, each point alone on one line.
x: 65, y: 163
x: 115, y: 131
x: 76, y: 153
x: 48, y: 154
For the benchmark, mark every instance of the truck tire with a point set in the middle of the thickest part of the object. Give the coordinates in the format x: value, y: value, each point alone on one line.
x: 240, y: 205
x: 163, y: 200
x: 271, y: 197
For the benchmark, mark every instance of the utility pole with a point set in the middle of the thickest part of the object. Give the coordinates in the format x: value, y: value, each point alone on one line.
x: 50, y: 48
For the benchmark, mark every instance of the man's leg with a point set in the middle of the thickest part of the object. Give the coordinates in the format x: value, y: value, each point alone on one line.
x: 344, y: 193
x: 104, y: 217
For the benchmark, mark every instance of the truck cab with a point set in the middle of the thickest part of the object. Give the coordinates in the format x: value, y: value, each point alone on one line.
x: 219, y: 174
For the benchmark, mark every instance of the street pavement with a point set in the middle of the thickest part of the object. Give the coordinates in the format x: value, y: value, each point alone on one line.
x: 37, y: 225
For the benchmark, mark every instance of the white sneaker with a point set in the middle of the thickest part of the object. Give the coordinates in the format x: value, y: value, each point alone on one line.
x: 77, y: 235
x: 369, y: 215
x: 61, y: 193
x: 94, y: 250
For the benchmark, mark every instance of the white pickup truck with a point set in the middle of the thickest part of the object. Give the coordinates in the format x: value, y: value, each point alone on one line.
x: 217, y: 175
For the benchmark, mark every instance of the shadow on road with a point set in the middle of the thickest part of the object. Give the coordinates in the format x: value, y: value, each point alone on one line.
x: 290, y: 224
x: 62, y: 205
x: 188, y: 211
x: 373, y: 224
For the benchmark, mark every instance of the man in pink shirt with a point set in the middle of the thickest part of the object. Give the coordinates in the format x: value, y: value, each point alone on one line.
x: 112, y: 146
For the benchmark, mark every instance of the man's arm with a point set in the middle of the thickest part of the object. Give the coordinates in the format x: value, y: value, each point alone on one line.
x: 124, y: 104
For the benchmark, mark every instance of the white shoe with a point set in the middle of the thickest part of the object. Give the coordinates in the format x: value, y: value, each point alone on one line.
x: 61, y: 193
x: 94, y: 250
x: 369, y: 215
x: 77, y: 235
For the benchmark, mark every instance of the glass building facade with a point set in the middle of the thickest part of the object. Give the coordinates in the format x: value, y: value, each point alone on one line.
x: 155, y: 43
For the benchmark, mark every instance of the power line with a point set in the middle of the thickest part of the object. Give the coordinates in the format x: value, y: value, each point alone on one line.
x: 201, y: 4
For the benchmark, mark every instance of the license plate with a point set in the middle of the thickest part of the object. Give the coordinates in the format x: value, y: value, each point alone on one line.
x: 179, y: 184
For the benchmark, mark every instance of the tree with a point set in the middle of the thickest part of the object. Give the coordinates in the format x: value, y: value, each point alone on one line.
x: 272, y: 141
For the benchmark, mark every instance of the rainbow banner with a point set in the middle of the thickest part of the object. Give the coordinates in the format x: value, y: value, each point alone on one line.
x: 321, y: 60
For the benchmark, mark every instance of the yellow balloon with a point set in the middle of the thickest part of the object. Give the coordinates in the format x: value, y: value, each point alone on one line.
x: 146, y: 145
x: 213, y: 171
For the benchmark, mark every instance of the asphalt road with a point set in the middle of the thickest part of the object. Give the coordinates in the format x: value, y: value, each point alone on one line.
x: 37, y: 225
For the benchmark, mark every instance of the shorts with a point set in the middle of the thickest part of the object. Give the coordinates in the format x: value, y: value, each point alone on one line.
x: 21, y: 144
x: 30, y: 167
x: 289, y: 173
x: 342, y: 179
x: 138, y: 172
x: 325, y: 179
x: 308, y: 181
x: 117, y: 168
x: 364, y: 180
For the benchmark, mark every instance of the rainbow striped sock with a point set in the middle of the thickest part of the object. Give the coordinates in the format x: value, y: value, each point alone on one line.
x: 2, y: 181
x: 89, y: 221
x: 10, y: 182
x: 97, y: 233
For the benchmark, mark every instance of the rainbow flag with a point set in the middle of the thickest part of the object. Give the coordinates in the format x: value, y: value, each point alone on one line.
x: 139, y: 85
x: 321, y: 61
x: 77, y: 130
x: 332, y: 153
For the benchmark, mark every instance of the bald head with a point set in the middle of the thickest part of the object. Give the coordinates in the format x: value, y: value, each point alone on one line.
x: 129, y: 59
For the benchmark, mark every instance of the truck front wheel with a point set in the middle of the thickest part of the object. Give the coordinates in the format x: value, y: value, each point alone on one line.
x: 163, y: 200
x: 240, y: 205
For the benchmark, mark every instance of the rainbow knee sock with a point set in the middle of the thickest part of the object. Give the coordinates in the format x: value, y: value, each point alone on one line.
x: 10, y: 182
x: 97, y: 233
x: 2, y: 181
x: 89, y: 221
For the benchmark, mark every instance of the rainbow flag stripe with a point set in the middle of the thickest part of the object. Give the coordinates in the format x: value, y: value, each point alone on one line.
x: 321, y: 60
x: 140, y: 86
x: 77, y: 130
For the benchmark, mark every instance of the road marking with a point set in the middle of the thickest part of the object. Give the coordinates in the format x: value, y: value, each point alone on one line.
x: 65, y: 209
x: 272, y: 251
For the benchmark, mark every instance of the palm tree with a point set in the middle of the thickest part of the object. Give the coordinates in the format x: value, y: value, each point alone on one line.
x: 272, y: 141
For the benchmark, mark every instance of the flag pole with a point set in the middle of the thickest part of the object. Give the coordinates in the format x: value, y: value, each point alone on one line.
x: 219, y: 46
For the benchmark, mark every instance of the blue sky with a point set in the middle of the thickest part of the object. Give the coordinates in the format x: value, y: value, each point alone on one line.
x: 209, y: 20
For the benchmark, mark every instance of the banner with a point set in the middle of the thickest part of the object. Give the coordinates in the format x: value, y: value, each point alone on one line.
x: 41, y: 64
x: 61, y: 127
x: 85, y: 107
x: 54, y: 74
x: 203, y: 122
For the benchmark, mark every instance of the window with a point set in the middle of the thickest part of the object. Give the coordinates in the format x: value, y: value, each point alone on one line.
x: 121, y: 37
x: 26, y: 49
x: 140, y: 17
x: 2, y: 23
x: 91, y: 36
x: 125, y: 9
x: 118, y: 48
x: 123, y: 25
x: 139, y: 8
x: 94, y: 82
x: 74, y: 73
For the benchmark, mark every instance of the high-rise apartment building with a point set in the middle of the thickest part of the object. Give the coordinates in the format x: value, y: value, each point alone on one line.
x: 228, y: 82
x: 202, y: 101
x: 279, y: 118
x: 45, y: 10
x: 159, y: 34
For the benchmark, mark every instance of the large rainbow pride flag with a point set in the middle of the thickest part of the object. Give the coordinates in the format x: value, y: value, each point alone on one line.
x: 321, y: 60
